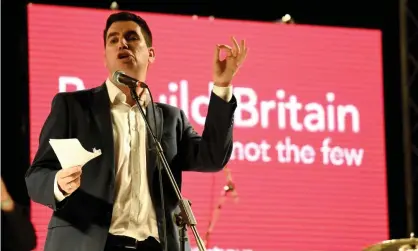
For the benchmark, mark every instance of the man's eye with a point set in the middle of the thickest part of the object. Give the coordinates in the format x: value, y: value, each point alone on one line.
x: 132, y: 38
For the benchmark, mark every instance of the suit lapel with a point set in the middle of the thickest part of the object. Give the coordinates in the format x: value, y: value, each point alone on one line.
x: 158, y: 131
x: 101, y: 111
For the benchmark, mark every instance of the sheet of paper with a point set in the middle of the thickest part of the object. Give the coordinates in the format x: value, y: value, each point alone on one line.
x: 71, y: 153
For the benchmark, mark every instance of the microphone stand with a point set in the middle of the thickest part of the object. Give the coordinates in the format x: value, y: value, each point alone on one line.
x: 185, y: 218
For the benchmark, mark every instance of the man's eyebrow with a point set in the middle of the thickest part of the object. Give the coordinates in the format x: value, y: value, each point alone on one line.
x: 131, y: 32
x: 112, y: 34
x: 115, y: 33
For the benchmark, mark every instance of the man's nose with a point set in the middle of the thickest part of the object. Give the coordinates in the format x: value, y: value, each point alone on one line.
x: 123, y: 44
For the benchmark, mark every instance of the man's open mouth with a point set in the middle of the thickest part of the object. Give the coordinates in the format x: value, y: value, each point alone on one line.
x: 123, y: 55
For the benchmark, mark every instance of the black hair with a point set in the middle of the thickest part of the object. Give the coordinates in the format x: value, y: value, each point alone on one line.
x: 128, y: 16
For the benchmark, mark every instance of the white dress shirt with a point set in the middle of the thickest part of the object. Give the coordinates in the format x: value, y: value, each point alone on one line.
x: 133, y: 212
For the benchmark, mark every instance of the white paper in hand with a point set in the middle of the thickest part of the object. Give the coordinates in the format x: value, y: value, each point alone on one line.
x: 71, y: 153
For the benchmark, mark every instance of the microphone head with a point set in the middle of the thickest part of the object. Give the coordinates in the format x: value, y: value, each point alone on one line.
x: 116, y: 76
x: 121, y: 78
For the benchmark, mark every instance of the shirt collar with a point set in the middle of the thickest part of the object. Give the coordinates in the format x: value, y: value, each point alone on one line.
x: 116, y: 95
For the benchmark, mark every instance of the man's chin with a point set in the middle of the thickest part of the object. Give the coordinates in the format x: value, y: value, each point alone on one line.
x: 128, y: 69
x: 131, y: 70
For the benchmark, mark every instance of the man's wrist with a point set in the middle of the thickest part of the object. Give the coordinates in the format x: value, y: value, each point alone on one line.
x: 220, y: 84
x: 224, y: 93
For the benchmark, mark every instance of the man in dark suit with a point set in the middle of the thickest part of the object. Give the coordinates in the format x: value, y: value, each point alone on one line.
x: 113, y: 202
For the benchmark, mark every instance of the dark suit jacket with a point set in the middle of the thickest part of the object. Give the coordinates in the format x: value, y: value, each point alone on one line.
x: 81, y: 222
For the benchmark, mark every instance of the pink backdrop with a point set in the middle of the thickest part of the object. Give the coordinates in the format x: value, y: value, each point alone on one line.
x: 309, y: 159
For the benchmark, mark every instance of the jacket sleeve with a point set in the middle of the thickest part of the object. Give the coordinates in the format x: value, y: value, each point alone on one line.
x: 211, y: 151
x: 41, y: 174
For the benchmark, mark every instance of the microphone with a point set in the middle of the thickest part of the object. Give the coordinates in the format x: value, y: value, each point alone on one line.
x: 121, y: 78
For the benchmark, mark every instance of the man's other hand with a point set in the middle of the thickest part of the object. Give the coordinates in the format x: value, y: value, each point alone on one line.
x: 69, y: 179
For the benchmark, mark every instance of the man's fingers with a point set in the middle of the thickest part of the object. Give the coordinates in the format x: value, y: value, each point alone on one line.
x: 69, y: 184
x: 69, y: 171
x: 225, y: 47
x: 71, y: 181
x: 243, y: 44
x: 70, y: 178
x: 76, y: 183
x: 243, y: 52
x: 236, y: 49
x: 217, y: 52
x: 242, y: 56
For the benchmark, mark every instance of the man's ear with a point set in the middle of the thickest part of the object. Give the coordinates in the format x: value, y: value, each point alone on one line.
x: 151, y: 55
